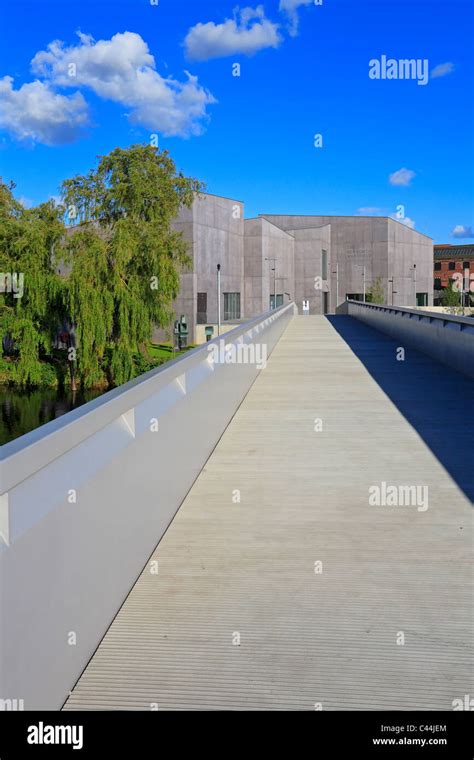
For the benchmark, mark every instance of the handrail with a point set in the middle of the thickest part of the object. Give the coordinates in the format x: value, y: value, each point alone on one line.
x: 86, y: 498
x: 46, y: 443
x: 415, y: 312
x: 447, y: 338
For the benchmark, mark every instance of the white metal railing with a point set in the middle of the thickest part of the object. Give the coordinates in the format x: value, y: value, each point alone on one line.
x: 445, y: 337
x: 430, y: 315
x: 85, y: 499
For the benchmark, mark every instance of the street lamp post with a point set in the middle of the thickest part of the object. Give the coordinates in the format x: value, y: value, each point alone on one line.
x: 337, y: 287
x: 391, y: 281
x: 218, y: 299
x: 274, y: 281
x: 361, y: 254
x: 414, y: 282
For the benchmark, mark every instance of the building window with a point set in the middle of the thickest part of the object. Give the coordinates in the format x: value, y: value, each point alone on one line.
x: 437, y: 283
x: 422, y: 299
x: 231, y: 306
x: 452, y: 265
x: 202, y: 308
x: 324, y: 264
x: 437, y: 266
x: 466, y: 265
x: 279, y: 301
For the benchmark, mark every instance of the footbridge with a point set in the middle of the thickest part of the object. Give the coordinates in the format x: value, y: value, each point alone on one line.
x: 295, y: 535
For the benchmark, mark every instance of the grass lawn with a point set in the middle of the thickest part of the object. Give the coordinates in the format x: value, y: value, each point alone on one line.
x: 164, y: 351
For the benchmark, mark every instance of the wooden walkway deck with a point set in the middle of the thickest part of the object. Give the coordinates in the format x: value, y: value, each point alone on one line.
x: 239, y: 616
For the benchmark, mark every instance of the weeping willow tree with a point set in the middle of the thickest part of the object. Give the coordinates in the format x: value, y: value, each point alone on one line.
x: 31, y: 291
x: 123, y: 256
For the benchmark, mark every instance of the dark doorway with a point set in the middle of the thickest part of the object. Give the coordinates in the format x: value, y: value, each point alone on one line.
x: 202, y: 308
x: 325, y: 302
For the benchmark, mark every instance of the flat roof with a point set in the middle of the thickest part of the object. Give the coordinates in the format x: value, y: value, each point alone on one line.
x: 260, y: 217
x: 350, y: 216
x: 224, y: 197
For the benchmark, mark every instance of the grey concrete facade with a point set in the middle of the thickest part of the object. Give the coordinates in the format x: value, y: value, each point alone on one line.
x: 303, y: 247
x: 312, y: 283
x: 387, y: 248
x: 214, y: 231
x: 264, y: 242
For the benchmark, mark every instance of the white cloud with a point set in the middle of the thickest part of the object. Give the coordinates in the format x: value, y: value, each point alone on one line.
x: 462, y: 231
x: 35, y: 113
x: 442, y: 70
x: 406, y: 221
x: 290, y: 7
x: 247, y: 33
x: 123, y: 70
x: 401, y: 177
x: 369, y: 210
x: 375, y: 210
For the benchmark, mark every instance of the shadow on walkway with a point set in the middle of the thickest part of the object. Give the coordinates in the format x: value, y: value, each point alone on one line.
x: 436, y: 400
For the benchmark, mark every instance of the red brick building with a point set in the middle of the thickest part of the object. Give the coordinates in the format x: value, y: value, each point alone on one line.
x: 450, y: 263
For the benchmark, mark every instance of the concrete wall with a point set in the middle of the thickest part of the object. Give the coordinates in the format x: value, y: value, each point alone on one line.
x: 186, y: 301
x: 219, y: 239
x: 354, y: 240
x: 447, y: 339
x: 263, y: 240
x: 309, y: 285
x: 384, y: 245
x: 85, y: 499
x: 299, y: 260
x: 218, y: 234
x: 214, y: 231
x: 407, y: 247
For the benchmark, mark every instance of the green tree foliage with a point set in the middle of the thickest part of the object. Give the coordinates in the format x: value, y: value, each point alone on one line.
x: 450, y: 297
x: 376, y: 292
x: 124, y: 257
x: 120, y: 260
x: 28, y: 238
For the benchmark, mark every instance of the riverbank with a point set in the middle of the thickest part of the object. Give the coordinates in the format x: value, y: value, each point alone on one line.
x: 54, y: 374
x: 25, y: 409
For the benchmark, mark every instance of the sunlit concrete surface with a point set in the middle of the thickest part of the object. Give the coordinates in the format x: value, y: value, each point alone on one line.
x: 230, y: 569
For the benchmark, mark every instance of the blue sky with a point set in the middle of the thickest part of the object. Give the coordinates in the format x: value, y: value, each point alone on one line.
x: 167, y: 69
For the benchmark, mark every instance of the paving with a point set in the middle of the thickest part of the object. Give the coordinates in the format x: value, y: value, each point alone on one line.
x: 280, y: 584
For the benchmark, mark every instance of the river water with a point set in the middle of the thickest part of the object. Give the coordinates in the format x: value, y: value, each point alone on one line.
x: 22, y: 411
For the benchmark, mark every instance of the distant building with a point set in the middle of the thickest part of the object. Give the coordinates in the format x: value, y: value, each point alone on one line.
x: 274, y: 259
x: 451, y: 263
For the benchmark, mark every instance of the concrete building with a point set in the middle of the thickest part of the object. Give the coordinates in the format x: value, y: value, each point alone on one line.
x: 269, y: 265
x: 317, y: 261
x: 214, y: 231
x: 380, y: 246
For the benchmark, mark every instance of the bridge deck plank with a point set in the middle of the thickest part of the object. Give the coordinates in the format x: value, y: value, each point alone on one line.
x: 248, y: 567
